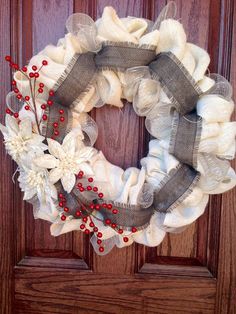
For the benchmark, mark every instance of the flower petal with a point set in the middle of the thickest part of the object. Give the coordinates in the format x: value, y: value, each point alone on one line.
x: 53, y: 191
x: 12, y: 125
x: 76, y: 133
x: 26, y: 128
x: 55, y: 149
x: 55, y: 175
x: 86, y: 168
x: 29, y: 193
x: 46, y: 161
x: 3, y: 129
x: 69, y: 146
x: 86, y: 152
x: 68, y: 182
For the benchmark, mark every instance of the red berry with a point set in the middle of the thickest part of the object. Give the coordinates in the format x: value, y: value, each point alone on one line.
x: 62, y: 119
x: 85, y: 219
x: 87, y: 231
x: 16, y: 90
x: 101, y: 249
x: 60, y: 204
x: 44, y: 62
x: 82, y: 226
x: 8, y: 111
x: 100, y: 195
x: 81, y: 173
x: 16, y: 115
x: 41, y: 85
x: 27, y: 98
x: 125, y: 239
x: 90, y: 179
x: 13, y: 82
x: 51, y: 92
x: 108, y: 221
x: 55, y: 125
x: 56, y: 132
x: 81, y: 189
x: 27, y: 107
x: 63, y: 217
x: 95, y: 189
x: 91, y: 224
x: 97, y: 207
x: 95, y: 229
x: 99, y: 241
x: 61, y: 195
x: 104, y: 205
x: 36, y: 74
x: 40, y: 90
x: 34, y: 68
x: 120, y: 231
x: 109, y: 206
x: 24, y: 69
x: 19, y: 96
x: 134, y: 229
x: 79, y: 185
x: 66, y: 209
x: 61, y: 111
x: 78, y: 213
x: 99, y: 235
x: 8, y: 58
x: 92, y: 206
x: 49, y: 102
x: 115, y: 211
x: 44, y: 117
x: 89, y: 188
x: 15, y: 66
x: 113, y: 225
x: 31, y: 74
x: 43, y: 106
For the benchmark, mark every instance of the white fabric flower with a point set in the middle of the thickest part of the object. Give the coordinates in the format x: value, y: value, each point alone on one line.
x: 34, y: 181
x: 67, y: 159
x: 20, y: 140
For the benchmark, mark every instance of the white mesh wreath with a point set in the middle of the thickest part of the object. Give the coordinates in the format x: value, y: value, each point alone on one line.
x: 49, y: 170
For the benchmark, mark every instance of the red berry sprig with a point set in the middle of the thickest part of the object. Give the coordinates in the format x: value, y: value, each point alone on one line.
x: 32, y: 75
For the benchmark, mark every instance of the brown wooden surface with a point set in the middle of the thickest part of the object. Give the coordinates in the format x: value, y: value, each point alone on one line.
x: 192, y: 272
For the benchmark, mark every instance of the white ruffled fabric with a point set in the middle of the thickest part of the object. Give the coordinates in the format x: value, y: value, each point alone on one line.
x: 217, y: 138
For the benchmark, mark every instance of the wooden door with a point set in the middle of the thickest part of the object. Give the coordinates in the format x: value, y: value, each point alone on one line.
x: 192, y: 272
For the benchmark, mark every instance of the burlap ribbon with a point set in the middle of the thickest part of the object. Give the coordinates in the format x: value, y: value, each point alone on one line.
x: 183, y: 93
x: 126, y: 217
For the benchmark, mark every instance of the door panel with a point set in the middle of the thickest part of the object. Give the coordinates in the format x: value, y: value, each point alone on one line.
x: 191, y: 272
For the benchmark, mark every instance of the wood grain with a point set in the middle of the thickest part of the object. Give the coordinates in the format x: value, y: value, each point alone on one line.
x: 130, y: 294
x: 6, y: 188
x: 226, y: 283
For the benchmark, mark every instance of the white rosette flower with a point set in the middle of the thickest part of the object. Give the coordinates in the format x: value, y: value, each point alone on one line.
x: 67, y: 159
x: 19, y: 139
x: 34, y: 181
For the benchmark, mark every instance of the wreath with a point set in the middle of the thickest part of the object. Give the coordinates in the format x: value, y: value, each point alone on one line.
x: 50, y: 135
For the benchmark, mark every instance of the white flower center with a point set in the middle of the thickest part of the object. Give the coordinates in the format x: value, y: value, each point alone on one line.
x: 35, y: 178
x: 68, y: 164
x: 16, y: 146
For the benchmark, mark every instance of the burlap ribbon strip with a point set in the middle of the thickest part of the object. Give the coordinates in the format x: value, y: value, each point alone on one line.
x: 185, y: 137
x: 123, y: 56
x: 182, y: 91
x: 175, y: 188
x: 127, y: 216
x: 176, y: 82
